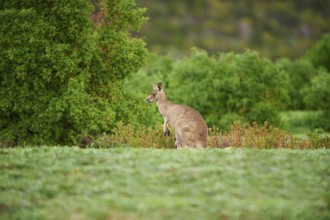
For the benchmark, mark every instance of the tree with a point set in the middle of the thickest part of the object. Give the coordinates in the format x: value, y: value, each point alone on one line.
x: 61, y: 73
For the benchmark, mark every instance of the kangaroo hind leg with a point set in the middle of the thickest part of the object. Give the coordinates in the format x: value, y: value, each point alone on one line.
x: 178, y: 140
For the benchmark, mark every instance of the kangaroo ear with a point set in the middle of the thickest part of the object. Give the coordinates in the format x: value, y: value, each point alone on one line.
x: 155, y: 87
x: 160, y: 86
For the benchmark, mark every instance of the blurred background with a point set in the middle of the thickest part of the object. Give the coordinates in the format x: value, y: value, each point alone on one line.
x: 273, y: 28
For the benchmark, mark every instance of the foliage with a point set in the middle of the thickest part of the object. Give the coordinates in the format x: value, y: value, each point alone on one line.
x: 317, y: 96
x: 125, y: 183
x: 223, y: 88
x: 265, y: 137
x: 139, y: 85
x: 195, y: 80
x: 230, y: 85
x: 239, y: 135
x: 66, y: 68
x: 129, y: 136
x: 157, y: 69
x: 60, y: 73
x: 246, y: 135
x: 300, y: 71
x: 319, y: 138
x: 316, y: 93
x: 299, y: 122
x: 273, y: 28
x: 122, y: 53
x: 319, y: 54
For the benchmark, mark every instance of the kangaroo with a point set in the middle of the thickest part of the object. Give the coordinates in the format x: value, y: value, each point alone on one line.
x: 189, y: 126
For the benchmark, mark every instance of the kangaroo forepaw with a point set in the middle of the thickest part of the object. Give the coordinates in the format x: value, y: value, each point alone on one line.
x: 167, y: 133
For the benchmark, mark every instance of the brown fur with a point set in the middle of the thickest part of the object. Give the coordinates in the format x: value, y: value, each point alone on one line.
x: 189, y: 126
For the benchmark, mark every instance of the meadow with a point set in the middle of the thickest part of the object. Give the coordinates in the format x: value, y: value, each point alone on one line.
x: 138, y: 183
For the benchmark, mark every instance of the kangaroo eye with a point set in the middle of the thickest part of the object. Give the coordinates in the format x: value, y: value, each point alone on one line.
x: 154, y: 94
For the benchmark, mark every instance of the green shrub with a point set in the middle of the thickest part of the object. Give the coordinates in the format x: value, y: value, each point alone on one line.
x: 299, y: 122
x: 156, y: 70
x: 244, y: 85
x: 239, y: 135
x: 60, y: 72
x: 318, y: 139
x: 130, y: 136
x: 134, y: 110
x: 229, y: 119
x: 223, y: 88
x: 252, y: 136
x: 265, y: 137
x: 139, y: 85
x: 300, y: 73
x: 317, y: 96
x: 319, y: 54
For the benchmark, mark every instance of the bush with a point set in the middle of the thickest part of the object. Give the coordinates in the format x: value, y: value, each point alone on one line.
x: 317, y: 96
x: 141, y: 138
x: 299, y: 122
x: 229, y: 119
x: 223, y: 88
x: 300, y: 73
x: 265, y: 137
x: 319, y: 138
x: 157, y: 70
x: 239, y: 135
x: 139, y: 85
x: 254, y: 136
x: 245, y: 85
x: 134, y: 110
x: 320, y: 53
x: 60, y: 73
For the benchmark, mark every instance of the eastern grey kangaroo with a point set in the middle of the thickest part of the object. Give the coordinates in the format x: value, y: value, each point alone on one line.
x: 189, y: 126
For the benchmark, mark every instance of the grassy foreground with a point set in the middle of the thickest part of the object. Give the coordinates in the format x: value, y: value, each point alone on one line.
x: 127, y: 183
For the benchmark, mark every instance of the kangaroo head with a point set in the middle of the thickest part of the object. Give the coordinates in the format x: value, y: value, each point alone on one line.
x: 156, y: 93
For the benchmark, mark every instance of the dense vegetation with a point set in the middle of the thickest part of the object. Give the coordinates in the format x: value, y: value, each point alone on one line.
x: 238, y: 135
x: 126, y: 183
x: 61, y: 73
x: 229, y: 87
x: 70, y: 72
x: 245, y: 87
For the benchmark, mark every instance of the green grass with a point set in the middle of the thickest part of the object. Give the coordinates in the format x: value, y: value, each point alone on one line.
x: 127, y: 183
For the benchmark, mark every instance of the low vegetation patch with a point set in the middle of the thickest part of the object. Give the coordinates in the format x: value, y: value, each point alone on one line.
x: 239, y: 135
x: 266, y: 137
x: 130, y: 183
x: 126, y: 135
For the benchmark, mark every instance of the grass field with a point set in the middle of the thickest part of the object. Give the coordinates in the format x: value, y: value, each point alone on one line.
x: 127, y: 183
